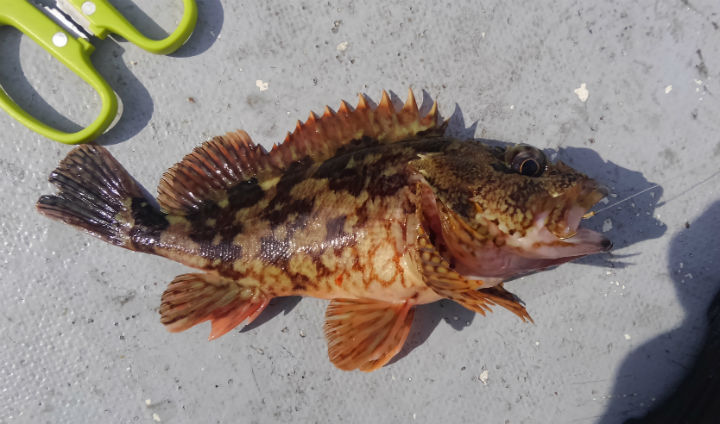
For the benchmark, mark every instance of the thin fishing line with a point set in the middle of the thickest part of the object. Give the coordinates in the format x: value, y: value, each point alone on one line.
x: 699, y: 183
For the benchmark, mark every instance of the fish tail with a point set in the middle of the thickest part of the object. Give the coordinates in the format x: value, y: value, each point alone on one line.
x: 99, y: 196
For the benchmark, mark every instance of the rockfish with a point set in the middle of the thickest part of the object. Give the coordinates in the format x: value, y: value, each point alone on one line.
x: 373, y: 208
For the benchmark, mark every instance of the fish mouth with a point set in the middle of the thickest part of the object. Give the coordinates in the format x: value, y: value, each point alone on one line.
x: 573, y: 208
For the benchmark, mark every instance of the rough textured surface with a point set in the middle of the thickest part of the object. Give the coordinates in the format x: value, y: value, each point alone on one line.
x: 626, y: 93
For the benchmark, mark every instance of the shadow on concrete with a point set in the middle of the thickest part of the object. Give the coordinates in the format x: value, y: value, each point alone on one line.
x: 209, y: 24
x: 628, y: 215
x: 17, y: 86
x: 695, y: 400
x: 660, y: 363
x: 135, y: 103
x: 276, y: 306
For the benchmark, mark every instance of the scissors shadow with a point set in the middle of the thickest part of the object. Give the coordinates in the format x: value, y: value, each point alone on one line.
x: 136, y: 105
x: 15, y: 82
x: 209, y: 24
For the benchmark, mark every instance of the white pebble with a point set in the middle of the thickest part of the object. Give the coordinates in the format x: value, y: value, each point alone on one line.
x: 484, y: 377
x: 668, y: 89
x: 582, y: 92
x: 607, y: 225
x: 262, y: 85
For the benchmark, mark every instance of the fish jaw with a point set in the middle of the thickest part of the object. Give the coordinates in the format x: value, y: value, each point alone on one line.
x: 541, y: 246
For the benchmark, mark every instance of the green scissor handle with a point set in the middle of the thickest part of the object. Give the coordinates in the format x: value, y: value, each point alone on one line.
x: 73, y: 53
x: 103, y: 18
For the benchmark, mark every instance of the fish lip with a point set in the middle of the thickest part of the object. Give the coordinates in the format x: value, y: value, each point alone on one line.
x: 576, y: 205
x: 588, y: 241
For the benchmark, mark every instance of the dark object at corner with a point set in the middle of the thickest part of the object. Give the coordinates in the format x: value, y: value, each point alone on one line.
x: 697, y: 398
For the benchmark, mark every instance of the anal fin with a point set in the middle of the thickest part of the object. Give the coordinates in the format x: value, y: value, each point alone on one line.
x: 445, y: 281
x: 194, y: 298
x: 366, y: 334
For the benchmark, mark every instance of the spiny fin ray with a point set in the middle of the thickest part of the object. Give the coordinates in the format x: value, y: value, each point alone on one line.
x: 209, y: 170
x: 226, y: 161
x: 321, y: 137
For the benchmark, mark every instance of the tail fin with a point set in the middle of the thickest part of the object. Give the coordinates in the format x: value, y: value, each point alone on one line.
x: 98, y: 195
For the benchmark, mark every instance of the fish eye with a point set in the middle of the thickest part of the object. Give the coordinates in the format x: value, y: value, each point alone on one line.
x: 526, y: 160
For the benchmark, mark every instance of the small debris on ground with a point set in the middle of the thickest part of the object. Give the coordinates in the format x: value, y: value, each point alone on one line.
x: 262, y: 85
x: 582, y: 92
x: 484, y: 377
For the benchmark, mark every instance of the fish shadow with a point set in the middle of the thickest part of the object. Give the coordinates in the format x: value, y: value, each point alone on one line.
x: 654, y: 366
x: 274, y: 308
x: 627, y: 216
x: 427, y: 318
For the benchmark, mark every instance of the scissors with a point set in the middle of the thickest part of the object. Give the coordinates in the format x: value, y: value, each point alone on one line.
x: 68, y: 40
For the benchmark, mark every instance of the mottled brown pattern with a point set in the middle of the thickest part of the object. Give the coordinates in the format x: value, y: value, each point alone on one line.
x: 372, y: 207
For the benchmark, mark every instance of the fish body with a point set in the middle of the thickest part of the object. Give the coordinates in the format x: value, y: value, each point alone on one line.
x: 373, y: 208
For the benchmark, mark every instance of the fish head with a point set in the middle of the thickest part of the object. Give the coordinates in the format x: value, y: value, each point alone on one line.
x: 499, y: 212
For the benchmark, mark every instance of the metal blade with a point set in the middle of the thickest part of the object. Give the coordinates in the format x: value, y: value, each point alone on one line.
x: 68, y: 18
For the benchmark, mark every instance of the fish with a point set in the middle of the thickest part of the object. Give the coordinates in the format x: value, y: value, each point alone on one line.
x: 374, y: 208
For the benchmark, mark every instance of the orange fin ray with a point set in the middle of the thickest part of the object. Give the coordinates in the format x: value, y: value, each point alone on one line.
x: 238, y: 313
x: 321, y: 137
x: 366, y: 334
x: 194, y: 298
x: 448, y: 283
x: 210, y: 170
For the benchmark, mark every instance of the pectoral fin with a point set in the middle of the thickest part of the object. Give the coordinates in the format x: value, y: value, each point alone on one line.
x: 365, y: 334
x: 446, y: 282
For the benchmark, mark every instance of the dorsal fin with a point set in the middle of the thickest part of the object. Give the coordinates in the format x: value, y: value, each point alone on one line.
x: 215, y: 166
x: 225, y: 161
x: 321, y: 137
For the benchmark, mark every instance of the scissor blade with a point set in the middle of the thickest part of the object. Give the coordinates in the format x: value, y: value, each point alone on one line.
x: 69, y: 21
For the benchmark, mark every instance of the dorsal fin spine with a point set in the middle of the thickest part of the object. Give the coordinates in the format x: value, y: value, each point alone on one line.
x: 228, y: 160
x: 409, y: 112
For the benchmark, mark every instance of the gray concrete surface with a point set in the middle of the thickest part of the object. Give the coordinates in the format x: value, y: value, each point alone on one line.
x: 80, y: 338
